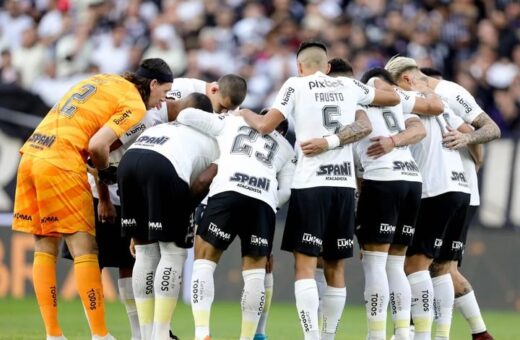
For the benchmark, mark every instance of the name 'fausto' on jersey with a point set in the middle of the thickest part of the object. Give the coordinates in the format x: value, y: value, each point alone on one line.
x: 321, y: 105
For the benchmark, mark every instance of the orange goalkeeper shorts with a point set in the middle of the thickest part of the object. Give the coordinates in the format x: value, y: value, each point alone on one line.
x: 50, y: 201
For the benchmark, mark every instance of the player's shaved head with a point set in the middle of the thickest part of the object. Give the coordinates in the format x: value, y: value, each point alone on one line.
x: 233, y: 87
x: 199, y: 101
x: 312, y: 56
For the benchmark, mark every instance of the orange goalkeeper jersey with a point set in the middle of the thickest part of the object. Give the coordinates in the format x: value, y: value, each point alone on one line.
x: 63, y: 136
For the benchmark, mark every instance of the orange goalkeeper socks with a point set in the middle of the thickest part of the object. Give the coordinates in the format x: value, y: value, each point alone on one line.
x: 88, y: 282
x: 44, y: 279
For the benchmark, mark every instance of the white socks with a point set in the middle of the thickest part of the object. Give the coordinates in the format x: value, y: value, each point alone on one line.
x: 307, y: 303
x: 252, y: 302
x: 146, y: 260
x: 333, y: 305
x: 468, y: 306
x: 321, y: 283
x: 422, y: 303
x: 167, y: 284
x: 268, y: 285
x: 400, y: 296
x: 376, y: 293
x: 126, y: 294
x: 444, y: 296
x: 202, y: 294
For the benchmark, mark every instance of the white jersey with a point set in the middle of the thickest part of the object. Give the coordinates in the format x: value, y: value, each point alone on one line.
x: 257, y: 166
x: 398, y: 164
x: 151, y: 118
x: 189, y: 150
x: 441, y: 168
x: 321, y: 105
x: 465, y: 106
x: 183, y: 87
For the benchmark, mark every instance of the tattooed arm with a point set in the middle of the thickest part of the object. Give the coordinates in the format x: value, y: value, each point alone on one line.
x: 351, y: 133
x: 486, y: 130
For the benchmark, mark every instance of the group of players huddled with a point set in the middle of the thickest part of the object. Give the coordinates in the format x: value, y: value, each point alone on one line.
x: 154, y: 147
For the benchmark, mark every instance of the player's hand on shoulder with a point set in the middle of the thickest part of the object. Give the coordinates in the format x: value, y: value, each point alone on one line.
x: 106, y: 211
x: 315, y: 146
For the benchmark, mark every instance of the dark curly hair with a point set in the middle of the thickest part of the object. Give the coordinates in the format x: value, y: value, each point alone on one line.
x: 143, y: 84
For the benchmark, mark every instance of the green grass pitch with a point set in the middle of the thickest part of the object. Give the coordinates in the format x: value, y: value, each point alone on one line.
x: 20, y: 319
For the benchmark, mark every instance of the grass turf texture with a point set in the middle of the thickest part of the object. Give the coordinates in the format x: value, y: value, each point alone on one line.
x: 20, y: 319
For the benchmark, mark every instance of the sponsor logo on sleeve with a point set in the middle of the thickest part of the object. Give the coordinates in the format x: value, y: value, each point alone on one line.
x: 173, y: 94
x: 467, y: 107
x: 361, y: 86
x: 136, y: 130
x: 120, y: 120
x: 287, y: 95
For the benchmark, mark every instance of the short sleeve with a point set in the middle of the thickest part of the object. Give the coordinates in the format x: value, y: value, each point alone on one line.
x: 452, y: 119
x: 285, y: 99
x: 130, y: 112
x: 364, y: 93
x: 407, y: 101
x: 463, y: 103
x: 183, y: 87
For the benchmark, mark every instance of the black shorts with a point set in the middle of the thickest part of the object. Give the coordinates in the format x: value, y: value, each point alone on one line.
x: 113, y: 249
x: 439, y: 222
x: 470, y: 214
x: 320, y: 221
x: 155, y: 201
x: 229, y: 214
x: 387, y: 211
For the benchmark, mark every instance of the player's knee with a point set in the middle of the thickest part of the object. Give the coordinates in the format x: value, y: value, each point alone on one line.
x: 172, y: 249
x: 416, y: 263
x: 206, y: 251
x: 335, y: 273
x: 253, y: 262
x: 438, y: 268
x: 397, y: 250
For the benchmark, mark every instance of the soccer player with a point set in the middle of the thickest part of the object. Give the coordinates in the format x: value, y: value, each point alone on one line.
x: 159, y: 172
x: 253, y: 180
x: 321, y: 208
x: 465, y: 299
x: 391, y: 181
x: 53, y: 197
x: 446, y: 190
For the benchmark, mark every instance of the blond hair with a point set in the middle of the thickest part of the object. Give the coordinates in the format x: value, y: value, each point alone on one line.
x: 398, y: 65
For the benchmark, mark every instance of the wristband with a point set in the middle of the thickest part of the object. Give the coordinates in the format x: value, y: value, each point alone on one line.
x: 333, y: 141
x: 108, y: 175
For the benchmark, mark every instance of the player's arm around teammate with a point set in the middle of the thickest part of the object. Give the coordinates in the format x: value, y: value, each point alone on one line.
x: 53, y: 198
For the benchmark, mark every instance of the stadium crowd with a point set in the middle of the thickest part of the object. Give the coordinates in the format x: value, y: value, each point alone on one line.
x: 48, y: 45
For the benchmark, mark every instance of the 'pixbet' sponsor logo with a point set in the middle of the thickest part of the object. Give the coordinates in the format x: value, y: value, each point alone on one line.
x: 128, y: 222
x: 345, y: 243
x: 123, y: 117
x: 386, y: 228
x: 343, y: 169
x: 152, y: 140
x: 155, y: 225
x: 324, y: 83
x: 437, y: 243
x: 259, y: 241
x: 287, y: 95
x: 462, y: 102
x: 308, y: 238
x: 213, y: 228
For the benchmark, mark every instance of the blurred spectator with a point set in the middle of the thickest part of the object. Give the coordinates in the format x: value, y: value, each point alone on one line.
x: 8, y: 73
x: 475, y: 43
x: 29, y: 58
x: 166, y: 44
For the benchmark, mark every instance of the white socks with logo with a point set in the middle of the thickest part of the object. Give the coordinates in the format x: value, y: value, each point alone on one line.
x: 400, y: 296
x: 146, y: 259
x: 202, y: 295
x: 252, y: 302
x: 307, y: 303
x: 376, y: 293
x: 333, y: 305
x: 422, y: 303
x: 444, y: 296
